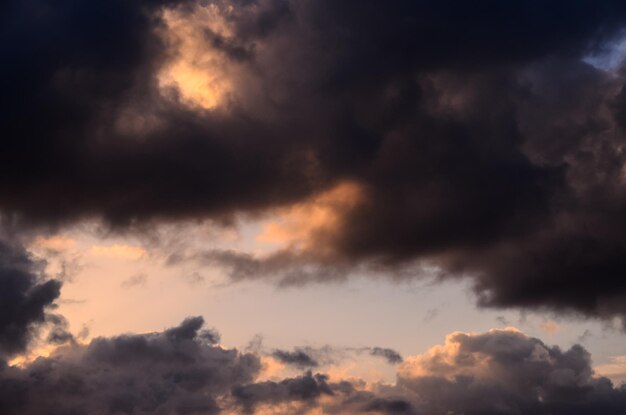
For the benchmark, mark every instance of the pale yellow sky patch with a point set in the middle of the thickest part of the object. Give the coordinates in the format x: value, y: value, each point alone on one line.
x: 271, y: 369
x: 550, y: 327
x: 615, y: 370
x: 120, y: 251
x: 364, y: 371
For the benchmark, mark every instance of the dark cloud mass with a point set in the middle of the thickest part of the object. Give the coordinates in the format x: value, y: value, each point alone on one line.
x: 306, y: 388
x: 480, y: 140
x: 174, y: 372
x: 24, y: 301
x: 178, y: 371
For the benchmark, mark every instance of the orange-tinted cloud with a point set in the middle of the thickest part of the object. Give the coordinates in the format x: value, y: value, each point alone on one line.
x: 305, y: 225
x: 57, y: 243
x: 196, y: 70
x: 450, y: 360
x: 120, y: 251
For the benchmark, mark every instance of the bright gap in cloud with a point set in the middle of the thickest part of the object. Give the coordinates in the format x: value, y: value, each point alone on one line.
x: 196, y: 70
x: 610, y: 57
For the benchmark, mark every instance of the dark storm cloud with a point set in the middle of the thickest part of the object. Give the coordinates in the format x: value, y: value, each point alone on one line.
x: 24, y: 300
x: 480, y: 140
x: 296, y: 358
x: 73, y: 79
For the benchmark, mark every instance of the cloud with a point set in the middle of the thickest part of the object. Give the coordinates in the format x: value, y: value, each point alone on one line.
x: 118, y: 251
x: 391, y: 355
x: 469, y: 149
x: 296, y: 358
x: 615, y: 369
x: 134, y: 281
x: 25, y: 298
x: 183, y: 370
x: 503, y: 321
x: 505, y: 371
x: 301, y: 226
x: 197, y: 73
x: 306, y: 388
x: 176, y: 371
x: 54, y: 244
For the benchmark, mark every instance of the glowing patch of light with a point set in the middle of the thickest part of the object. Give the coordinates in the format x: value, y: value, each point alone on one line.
x: 610, y: 58
x: 196, y: 71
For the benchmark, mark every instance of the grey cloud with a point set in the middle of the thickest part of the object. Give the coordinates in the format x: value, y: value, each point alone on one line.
x: 174, y: 372
x: 387, y: 406
x: 296, y: 358
x: 306, y: 388
x: 134, y: 281
x: 390, y: 355
x: 59, y: 333
x: 507, y: 372
x: 190, y: 329
x: 181, y: 371
x: 25, y: 299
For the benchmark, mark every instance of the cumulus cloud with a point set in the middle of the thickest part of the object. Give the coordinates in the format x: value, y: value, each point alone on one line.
x: 182, y: 370
x: 178, y: 371
x: 505, y: 371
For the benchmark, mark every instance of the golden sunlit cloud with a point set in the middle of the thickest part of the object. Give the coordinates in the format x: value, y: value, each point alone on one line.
x: 284, y: 409
x: 302, y: 225
x: 365, y: 374
x: 24, y: 359
x: 196, y: 70
x: 120, y: 251
x: 443, y: 360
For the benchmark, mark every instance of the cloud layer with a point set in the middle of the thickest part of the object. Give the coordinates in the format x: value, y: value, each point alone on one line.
x: 474, y: 137
x: 183, y: 370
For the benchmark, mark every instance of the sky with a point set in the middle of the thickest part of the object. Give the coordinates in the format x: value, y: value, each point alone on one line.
x: 313, y: 207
